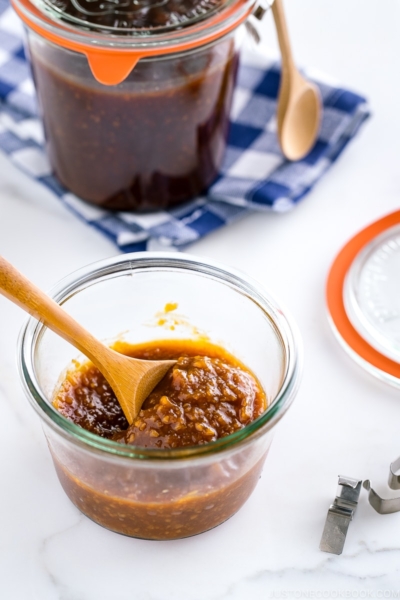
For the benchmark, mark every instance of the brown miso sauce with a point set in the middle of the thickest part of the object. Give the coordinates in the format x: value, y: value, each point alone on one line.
x: 159, y: 510
x: 151, y: 142
x: 206, y: 395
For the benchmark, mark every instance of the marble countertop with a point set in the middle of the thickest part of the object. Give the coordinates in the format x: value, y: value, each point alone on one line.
x: 342, y: 422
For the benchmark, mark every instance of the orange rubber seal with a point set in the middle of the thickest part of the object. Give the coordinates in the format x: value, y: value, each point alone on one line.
x: 111, y: 66
x: 335, y: 301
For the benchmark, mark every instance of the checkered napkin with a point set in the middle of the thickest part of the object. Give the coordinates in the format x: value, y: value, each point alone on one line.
x: 254, y: 176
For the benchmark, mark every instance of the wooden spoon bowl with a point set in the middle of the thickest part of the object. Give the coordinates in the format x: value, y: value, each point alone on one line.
x: 299, y: 102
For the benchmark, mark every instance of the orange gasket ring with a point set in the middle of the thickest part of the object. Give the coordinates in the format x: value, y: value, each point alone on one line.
x: 111, y: 66
x: 335, y: 302
x: 87, y: 47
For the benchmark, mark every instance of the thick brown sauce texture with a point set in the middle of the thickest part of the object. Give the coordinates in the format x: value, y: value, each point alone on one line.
x: 117, y: 503
x: 206, y: 395
x: 144, y: 144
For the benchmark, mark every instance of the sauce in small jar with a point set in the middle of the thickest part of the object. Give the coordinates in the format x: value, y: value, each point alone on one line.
x: 208, y: 394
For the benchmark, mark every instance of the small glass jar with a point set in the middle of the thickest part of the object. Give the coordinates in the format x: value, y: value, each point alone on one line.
x: 153, y: 493
x: 135, y: 118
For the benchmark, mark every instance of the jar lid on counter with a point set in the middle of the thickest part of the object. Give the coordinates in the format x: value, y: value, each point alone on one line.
x: 363, y: 297
x: 115, y: 34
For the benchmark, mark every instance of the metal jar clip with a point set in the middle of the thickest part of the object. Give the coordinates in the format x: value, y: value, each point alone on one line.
x: 386, y: 506
x: 340, y: 514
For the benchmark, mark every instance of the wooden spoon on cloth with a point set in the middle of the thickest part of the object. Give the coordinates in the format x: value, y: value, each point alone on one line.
x: 299, y: 103
x: 131, y: 379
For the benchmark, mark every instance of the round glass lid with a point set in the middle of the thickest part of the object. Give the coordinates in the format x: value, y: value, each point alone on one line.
x: 133, y: 16
x: 372, y: 293
x: 363, y: 297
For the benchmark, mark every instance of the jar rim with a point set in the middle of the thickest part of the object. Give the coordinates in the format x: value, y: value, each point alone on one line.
x: 40, y: 14
x: 111, y: 57
x: 77, y: 281
x: 58, y: 13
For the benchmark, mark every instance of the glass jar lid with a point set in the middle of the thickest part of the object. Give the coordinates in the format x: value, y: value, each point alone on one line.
x: 363, y: 296
x: 140, y: 17
x: 115, y: 34
x: 372, y: 293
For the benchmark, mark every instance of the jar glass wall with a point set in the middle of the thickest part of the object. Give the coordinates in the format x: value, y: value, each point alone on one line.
x: 148, y: 143
x: 152, y: 493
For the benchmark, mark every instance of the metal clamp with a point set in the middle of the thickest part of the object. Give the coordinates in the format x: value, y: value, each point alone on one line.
x: 340, y: 513
x: 258, y: 13
x: 262, y: 7
x: 385, y: 506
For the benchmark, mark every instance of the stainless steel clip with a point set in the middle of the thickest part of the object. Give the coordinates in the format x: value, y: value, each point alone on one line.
x: 340, y: 514
x: 258, y: 13
x: 385, y: 506
x: 262, y: 7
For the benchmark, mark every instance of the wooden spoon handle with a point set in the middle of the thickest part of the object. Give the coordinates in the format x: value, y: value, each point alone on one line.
x: 283, y: 34
x: 17, y: 288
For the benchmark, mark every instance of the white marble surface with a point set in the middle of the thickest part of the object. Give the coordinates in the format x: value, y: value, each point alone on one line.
x: 342, y: 421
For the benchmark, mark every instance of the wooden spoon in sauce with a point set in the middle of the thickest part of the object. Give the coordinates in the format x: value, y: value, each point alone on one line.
x: 131, y: 379
x: 299, y: 103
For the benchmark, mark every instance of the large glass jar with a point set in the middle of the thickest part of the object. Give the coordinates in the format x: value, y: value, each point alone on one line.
x: 136, y: 115
x: 153, y: 493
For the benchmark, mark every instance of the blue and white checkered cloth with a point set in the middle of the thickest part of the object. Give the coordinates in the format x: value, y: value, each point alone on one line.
x: 254, y: 176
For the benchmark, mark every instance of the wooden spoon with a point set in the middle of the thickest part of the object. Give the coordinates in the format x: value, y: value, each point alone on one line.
x: 131, y: 379
x: 299, y: 103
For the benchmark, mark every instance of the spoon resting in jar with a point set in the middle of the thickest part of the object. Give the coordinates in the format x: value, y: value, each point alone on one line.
x: 131, y: 379
x: 299, y: 103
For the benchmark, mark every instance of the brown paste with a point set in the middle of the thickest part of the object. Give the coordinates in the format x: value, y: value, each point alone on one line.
x: 151, y: 142
x: 139, y: 507
x: 208, y: 394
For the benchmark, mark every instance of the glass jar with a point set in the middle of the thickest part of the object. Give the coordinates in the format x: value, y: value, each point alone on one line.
x: 153, y: 493
x: 135, y: 117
